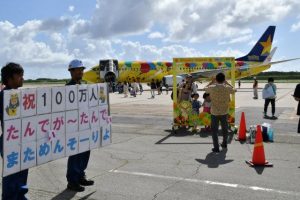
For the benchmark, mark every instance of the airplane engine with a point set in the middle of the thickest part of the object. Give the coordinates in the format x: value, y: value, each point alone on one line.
x: 109, y: 71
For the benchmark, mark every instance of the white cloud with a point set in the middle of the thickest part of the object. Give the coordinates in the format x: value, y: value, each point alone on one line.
x: 55, y: 24
x: 112, y: 19
x: 71, y: 8
x: 183, y: 20
x: 195, y: 16
x: 137, y: 51
x: 295, y: 27
x: 244, y: 38
x: 229, y: 52
x: 156, y: 35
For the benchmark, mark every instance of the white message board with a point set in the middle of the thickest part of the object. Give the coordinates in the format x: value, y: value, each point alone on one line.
x: 71, y: 97
x: 102, y: 94
x: 11, y: 104
x: 45, y: 124
x: 43, y: 100
x: 58, y: 99
x: 28, y: 102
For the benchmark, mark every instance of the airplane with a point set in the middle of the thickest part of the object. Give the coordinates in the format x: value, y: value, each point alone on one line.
x: 256, y: 61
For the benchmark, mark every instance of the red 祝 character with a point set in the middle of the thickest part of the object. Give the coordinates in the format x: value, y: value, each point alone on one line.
x: 29, y: 101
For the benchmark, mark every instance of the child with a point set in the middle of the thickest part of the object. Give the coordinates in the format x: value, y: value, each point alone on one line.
x: 14, y: 186
x: 206, y: 106
x: 196, y: 104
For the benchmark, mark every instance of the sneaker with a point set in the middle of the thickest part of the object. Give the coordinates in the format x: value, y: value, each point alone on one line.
x: 273, y: 117
x: 75, y: 187
x: 215, y: 150
x: 85, y: 182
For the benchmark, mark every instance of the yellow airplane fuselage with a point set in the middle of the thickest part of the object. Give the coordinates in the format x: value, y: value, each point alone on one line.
x: 146, y: 71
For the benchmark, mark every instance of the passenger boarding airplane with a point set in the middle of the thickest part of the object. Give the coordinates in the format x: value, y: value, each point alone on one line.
x: 256, y: 61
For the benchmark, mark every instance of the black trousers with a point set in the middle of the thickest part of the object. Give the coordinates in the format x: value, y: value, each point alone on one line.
x: 299, y: 126
x: 215, y: 119
x: 267, y: 102
x: 77, y: 164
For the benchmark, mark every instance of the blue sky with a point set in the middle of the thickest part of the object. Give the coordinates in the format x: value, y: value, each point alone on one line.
x: 45, y: 35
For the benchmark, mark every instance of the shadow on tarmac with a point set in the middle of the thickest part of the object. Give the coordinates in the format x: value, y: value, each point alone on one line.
x: 259, y: 170
x: 182, y: 132
x: 213, y: 160
x: 68, y: 194
x: 177, y: 133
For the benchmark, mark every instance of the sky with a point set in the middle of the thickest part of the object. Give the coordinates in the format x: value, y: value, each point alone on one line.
x: 44, y: 36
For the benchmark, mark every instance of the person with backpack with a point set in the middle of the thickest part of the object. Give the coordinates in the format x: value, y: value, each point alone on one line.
x: 270, y: 99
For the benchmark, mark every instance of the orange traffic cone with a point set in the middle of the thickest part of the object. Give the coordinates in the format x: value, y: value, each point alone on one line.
x: 242, y: 129
x: 258, y: 158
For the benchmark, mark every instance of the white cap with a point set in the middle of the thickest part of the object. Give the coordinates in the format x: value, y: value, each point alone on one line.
x: 254, y: 77
x: 76, y: 64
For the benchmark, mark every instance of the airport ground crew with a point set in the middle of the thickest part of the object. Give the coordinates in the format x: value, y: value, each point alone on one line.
x: 14, y: 186
x: 77, y: 164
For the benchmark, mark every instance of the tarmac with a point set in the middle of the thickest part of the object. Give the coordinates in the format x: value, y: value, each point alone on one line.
x: 148, y: 161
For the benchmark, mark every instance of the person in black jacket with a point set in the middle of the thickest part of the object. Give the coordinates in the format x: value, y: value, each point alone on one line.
x: 297, y: 98
x: 14, y: 186
x: 77, y: 164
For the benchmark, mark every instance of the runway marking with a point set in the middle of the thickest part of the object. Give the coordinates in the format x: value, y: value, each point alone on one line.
x: 207, y: 182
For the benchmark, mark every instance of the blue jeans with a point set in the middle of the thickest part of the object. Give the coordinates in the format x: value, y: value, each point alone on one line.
x: 215, y: 119
x: 76, y: 166
x: 14, y: 186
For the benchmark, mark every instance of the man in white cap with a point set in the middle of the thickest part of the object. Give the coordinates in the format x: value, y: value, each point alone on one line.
x: 255, y: 86
x: 77, y: 164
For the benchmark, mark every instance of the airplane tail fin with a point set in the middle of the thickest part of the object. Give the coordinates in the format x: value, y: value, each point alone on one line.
x: 270, y: 56
x: 262, y: 48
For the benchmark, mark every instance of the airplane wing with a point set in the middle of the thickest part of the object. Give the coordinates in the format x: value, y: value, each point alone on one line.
x: 281, y: 61
x: 205, y: 73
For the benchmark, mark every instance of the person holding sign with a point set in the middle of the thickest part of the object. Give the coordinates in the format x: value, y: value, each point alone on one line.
x: 77, y: 164
x: 14, y: 186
